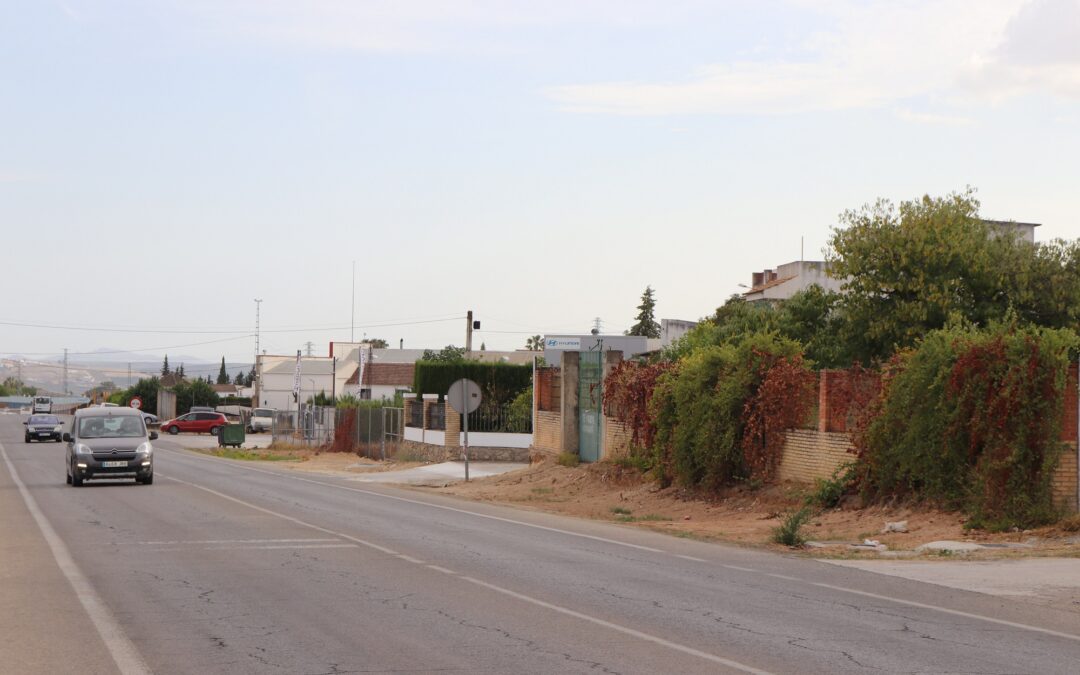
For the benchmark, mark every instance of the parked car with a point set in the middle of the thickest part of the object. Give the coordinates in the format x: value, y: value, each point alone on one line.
x: 197, y: 422
x: 42, y: 404
x: 262, y: 419
x: 109, y: 443
x: 150, y: 419
x: 43, y: 428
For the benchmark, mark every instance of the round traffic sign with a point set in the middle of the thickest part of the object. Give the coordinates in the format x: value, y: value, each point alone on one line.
x: 464, y: 396
x: 135, y: 402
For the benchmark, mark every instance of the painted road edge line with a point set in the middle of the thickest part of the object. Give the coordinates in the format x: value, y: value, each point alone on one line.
x: 123, y: 651
x: 498, y: 589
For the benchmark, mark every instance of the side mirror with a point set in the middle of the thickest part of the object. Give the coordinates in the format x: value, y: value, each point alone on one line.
x: 67, y: 437
x: 153, y: 435
x: 26, y: 423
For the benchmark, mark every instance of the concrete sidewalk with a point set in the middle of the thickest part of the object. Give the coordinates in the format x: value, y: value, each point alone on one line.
x: 439, y: 474
x: 1054, y: 582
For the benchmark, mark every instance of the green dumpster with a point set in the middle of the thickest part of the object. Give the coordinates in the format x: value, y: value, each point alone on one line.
x: 231, y: 434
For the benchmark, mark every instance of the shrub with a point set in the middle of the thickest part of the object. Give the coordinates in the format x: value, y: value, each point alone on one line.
x: 700, y: 407
x: 971, y: 418
x: 789, y: 532
x: 829, y: 492
x: 570, y: 459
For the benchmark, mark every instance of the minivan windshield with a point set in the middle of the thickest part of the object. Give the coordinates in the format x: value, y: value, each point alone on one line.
x: 104, y: 426
x: 43, y: 419
x: 263, y: 413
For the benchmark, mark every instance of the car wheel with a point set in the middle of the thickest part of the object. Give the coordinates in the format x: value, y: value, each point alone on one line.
x: 173, y: 430
x: 26, y: 439
x: 149, y: 480
x: 76, y: 479
x: 67, y: 478
x: 214, y: 431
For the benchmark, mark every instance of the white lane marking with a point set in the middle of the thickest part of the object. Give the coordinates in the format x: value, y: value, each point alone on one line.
x: 620, y: 628
x: 410, y: 559
x: 499, y: 589
x: 279, y: 546
x: 369, y: 544
x: 442, y: 569
x: 227, y: 541
x: 782, y: 576
x: 954, y: 612
x: 646, y: 548
x: 689, y: 557
x: 445, y: 508
x: 124, y: 654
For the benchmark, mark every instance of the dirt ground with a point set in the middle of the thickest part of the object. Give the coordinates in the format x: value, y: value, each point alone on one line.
x: 608, y: 492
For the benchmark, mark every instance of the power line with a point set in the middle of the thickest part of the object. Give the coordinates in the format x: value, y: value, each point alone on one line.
x: 246, y: 332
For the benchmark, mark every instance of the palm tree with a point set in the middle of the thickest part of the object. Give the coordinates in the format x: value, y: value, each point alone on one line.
x: 535, y: 343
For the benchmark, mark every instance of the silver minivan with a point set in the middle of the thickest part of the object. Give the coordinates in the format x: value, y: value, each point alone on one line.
x: 109, y: 443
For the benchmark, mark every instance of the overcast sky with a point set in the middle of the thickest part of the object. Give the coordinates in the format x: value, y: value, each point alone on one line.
x: 163, y: 163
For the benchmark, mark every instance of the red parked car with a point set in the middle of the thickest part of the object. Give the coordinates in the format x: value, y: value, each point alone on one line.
x: 197, y: 422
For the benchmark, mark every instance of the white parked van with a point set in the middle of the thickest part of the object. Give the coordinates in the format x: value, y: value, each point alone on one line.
x: 42, y: 404
x: 262, y: 419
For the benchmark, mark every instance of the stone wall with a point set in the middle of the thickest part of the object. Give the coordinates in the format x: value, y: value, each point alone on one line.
x: 547, y: 436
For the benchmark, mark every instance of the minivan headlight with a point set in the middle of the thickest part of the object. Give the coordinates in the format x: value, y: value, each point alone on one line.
x: 145, y: 449
x: 81, y: 449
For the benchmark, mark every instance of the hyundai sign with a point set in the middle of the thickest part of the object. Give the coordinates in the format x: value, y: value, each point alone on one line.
x: 570, y: 343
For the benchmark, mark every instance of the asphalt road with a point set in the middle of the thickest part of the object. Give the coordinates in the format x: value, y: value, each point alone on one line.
x: 222, y: 567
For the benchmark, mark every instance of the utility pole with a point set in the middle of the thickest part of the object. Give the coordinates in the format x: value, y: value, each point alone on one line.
x: 309, y: 344
x: 65, y: 371
x: 129, y: 376
x: 18, y: 366
x: 352, y: 315
x: 468, y: 332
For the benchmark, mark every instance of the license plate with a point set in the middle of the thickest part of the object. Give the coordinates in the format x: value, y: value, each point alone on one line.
x: 44, y: 433
x: 113, y: 465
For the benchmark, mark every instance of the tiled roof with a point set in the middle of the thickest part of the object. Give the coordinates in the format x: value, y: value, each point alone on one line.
x: 770, y: 284
x: 390, y: 374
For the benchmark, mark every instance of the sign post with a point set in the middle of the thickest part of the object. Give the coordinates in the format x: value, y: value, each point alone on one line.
x: 464, y: 397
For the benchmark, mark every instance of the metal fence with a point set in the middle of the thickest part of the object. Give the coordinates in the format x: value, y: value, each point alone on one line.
x: 310, y: 425
x: 369, y: 431
x: 502, y: 420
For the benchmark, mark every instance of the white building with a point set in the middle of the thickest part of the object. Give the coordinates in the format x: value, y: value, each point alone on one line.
x: 787, y: 280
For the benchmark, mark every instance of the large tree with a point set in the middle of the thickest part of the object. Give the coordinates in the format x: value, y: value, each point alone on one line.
x: 165, y: 366
x: 646, y: 325
x: 223, y: 375
x: 376, y: 343
x: 909, y: 269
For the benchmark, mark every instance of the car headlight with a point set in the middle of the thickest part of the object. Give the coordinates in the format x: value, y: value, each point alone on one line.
x: 145, y: 449
x: 58, y: 427
x: 81, y: 449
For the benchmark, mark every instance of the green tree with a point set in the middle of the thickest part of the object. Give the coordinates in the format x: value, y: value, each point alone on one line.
x: 377, y: 343
x: 196, y: 392
x: 448, y: 354
x: 239, y: 379
x: 16, y: 386
x: 534, y: 343
x: 165, y: 366
x: 223, y: 375
x: 250, y: 377
x: 910, y: 269
x: 646, y: 325
x: 147, y: 390
x: 180, y: 370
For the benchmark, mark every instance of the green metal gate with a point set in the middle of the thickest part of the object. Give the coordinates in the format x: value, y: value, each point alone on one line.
x: 590, y: 396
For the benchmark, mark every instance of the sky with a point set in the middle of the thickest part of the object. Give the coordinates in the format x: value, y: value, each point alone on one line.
x: 163, y: 163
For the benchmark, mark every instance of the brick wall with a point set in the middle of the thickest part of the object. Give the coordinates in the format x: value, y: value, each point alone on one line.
x: 1069, y: 418
x: 548, y: 389
x: 1064, y: 483
x: 548, y: 432
x: 616, y: 438
x: 812, y: 454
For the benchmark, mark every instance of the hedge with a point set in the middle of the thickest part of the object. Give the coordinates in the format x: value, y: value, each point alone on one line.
x: 499, y: 382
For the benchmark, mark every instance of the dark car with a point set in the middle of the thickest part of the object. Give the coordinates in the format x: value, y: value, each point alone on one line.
x: 43, y: 428
x: 109, y: 443
x: 198, y: 422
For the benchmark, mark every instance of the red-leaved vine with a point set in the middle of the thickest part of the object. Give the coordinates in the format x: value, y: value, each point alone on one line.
x: 782, y: 401
x: 627, y: 392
